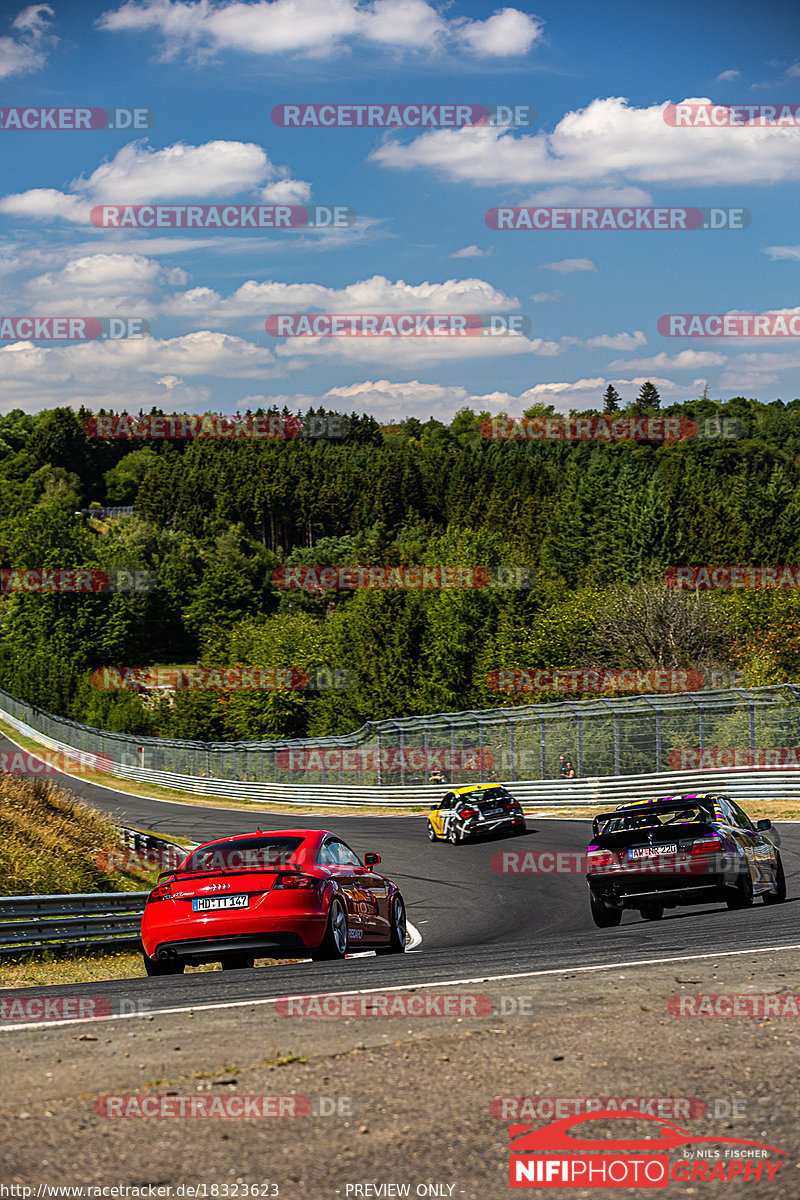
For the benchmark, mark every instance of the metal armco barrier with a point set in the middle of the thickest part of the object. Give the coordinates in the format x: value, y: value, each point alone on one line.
x: 760, y: 717
x: 52, y: 922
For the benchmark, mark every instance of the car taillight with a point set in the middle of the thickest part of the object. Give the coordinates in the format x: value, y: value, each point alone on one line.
x: 469, y: 813
x: 293, y: 882
x: 600, y: 858
x: 161, y: 892
x: 706, y: 846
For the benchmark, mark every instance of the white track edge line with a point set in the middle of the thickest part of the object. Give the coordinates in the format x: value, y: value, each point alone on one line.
x: 402, y: 987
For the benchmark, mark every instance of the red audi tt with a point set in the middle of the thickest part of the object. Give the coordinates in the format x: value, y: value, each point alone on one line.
x: 295, y: 891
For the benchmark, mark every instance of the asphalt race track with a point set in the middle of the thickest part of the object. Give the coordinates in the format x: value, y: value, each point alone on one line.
x: 474, y: 921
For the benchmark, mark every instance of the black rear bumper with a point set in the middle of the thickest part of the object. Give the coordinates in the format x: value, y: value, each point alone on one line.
x: 203, y: 950
x: 634, y: 890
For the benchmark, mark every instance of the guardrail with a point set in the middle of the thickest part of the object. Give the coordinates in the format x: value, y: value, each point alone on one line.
x: 745, y: 784
x: 54, y: 922
x: 91, y: 919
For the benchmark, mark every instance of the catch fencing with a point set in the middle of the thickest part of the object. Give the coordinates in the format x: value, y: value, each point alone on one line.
x: 392, y: 760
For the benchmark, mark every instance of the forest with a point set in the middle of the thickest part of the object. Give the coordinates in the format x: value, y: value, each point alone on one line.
x: 565, y: 543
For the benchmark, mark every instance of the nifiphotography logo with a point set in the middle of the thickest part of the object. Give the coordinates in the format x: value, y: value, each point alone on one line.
x: 634, y: 1162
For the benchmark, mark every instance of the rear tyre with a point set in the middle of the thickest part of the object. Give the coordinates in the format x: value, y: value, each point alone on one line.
x: 155, y: 966
x: 334, y: 943
x: 397, y: 936
x: 741, y: 896
x: 453, y: 835
x: 237, y: 962
x: 652, y: 912
x: 521, y: 828
x: 432, y: 834
x: 779, y: 895
x: 603, y: 915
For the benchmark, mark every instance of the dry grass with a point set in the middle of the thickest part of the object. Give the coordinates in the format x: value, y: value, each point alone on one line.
x: 51, y: 842
x: 48, y: 969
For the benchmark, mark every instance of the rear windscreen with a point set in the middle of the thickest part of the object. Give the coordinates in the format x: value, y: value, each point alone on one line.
x: 489, y: 798
x: 672, y: 819
x: 249, y: 853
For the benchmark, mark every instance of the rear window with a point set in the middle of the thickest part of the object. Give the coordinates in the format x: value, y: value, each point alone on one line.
x: 488, y: 798
x: 246, y: 854
x: 656, y: 820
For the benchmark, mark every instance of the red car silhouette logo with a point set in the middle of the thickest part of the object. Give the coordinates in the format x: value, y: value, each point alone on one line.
x: 526, y: 1139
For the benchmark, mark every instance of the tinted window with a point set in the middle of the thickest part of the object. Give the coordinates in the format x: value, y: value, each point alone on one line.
x: 336, y: 853
x: 486, y: 798
x: 741, y: 816
x: 243, y: 854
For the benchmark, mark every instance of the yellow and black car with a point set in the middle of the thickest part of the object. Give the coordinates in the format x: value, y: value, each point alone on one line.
x: 465, y: 813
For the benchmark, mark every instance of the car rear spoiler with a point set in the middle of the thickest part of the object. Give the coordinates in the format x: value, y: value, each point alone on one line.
x: 278, y: 867
x: 658, y: 806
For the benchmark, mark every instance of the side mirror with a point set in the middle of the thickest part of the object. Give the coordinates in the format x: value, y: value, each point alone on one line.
x: 371, y: 860
x: 765, y: 824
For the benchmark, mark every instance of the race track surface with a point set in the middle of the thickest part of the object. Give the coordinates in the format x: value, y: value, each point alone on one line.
x: 474, y: 921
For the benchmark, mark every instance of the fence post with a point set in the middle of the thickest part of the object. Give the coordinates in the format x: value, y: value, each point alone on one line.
x: 544, y: 754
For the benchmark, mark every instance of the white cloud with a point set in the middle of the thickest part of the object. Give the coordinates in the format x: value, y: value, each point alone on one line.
x: 508, y: 32
x: 617, y: 341
x: 542, y: 297
x: 46, y: 203
x: 726, y: 76
x: 783, y: 252
x: 375, y: 294
x: 566, y: 266
x: 322, y: 28
x: 130, y: 373
x: 592, y: 195
x: 608, y: 142
x: 98, y: 284
x: 471, y: 252
x: 28, y: 51
x: 405, y: 353
x: 685, y: 360
x: 286, y: 191
x: 138, y: 174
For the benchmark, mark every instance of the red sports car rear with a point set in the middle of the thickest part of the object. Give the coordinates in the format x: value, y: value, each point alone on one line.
x: 270, y: 893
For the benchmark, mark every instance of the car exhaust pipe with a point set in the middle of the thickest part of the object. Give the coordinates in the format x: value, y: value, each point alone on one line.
x: 167, y: 954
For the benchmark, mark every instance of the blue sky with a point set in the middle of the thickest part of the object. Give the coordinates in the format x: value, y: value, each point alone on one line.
x: 598, y: 77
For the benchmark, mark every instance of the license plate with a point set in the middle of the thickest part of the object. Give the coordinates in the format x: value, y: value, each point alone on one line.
x: 206, y: 903
x: 653, y: 851
x: 491, y: 812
